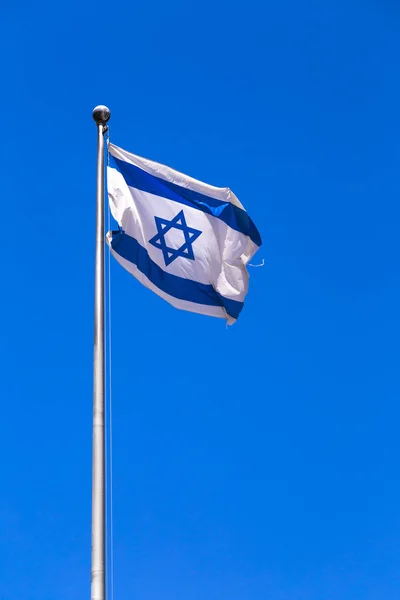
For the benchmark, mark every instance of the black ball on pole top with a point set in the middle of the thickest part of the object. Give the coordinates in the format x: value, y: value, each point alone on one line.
x: 101, y: 114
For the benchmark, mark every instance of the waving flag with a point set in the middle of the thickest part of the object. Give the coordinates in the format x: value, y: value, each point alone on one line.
x: 186, y: 240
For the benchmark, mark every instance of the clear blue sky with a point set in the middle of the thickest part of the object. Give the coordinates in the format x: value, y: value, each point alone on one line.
x: 259, y: 462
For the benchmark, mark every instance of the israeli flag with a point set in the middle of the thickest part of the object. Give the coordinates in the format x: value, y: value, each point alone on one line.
x: 186, y: 240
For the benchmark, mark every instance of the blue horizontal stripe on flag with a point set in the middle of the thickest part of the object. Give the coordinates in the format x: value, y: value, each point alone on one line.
x: 232, y: 215
x: 183, y: 289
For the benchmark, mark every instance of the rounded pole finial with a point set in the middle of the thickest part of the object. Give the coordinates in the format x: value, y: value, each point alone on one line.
x: 101, y: 114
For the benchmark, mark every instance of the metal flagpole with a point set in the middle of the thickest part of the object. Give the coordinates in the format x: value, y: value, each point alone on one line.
x: 101, y: 115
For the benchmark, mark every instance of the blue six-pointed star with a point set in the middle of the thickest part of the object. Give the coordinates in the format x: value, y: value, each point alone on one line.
x: 190, y: 235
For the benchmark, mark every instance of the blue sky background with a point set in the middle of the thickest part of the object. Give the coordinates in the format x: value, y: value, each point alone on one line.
x: 259, y: 462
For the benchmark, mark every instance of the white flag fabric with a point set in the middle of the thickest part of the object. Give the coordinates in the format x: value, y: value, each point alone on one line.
x: 186, y: 240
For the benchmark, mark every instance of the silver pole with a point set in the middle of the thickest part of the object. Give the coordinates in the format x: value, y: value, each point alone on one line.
x: 101, y: 114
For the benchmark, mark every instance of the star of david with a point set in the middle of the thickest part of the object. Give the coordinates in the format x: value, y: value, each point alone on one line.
x: 190, y: 235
